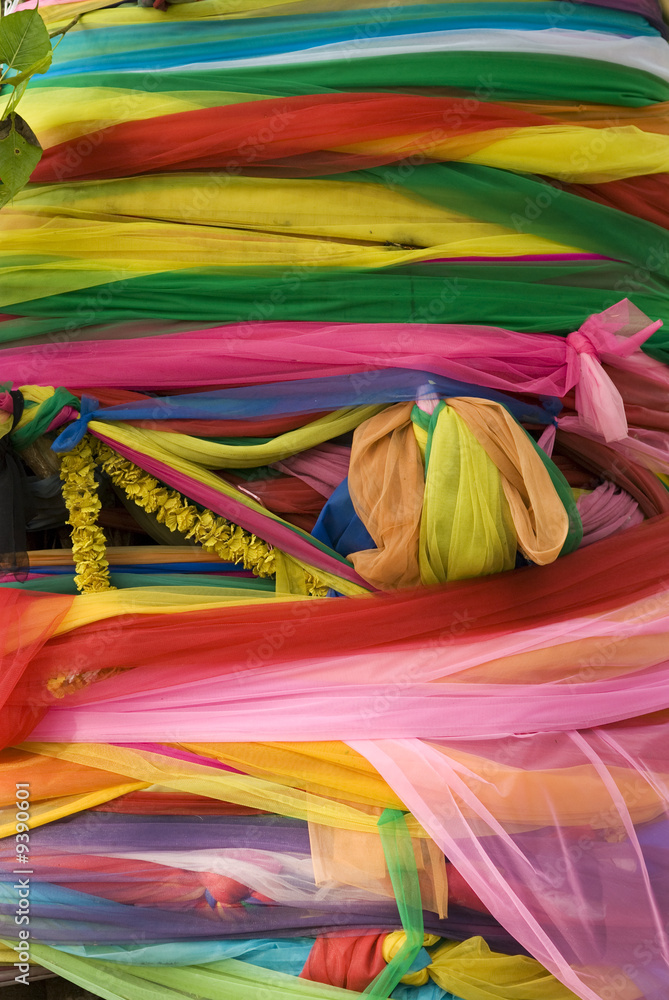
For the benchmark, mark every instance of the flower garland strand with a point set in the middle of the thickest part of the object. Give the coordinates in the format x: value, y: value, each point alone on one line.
x: 215, y: 534
x: 229, y: 541
x: 80, y: 493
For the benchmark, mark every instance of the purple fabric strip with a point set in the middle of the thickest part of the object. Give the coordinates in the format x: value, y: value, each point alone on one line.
x: 646, y: 8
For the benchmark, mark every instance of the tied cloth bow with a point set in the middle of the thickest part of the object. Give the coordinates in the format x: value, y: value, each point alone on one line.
x: 605, y: 337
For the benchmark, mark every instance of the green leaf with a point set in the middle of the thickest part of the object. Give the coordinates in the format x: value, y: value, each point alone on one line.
x: 20, y: 152
x: 24, y: 42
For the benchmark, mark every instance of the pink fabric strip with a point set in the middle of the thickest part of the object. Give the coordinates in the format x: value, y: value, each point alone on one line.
x: 530, y: 258
x: 193, y: 758
x: 606, y: 511
x: 323, y: 467
x: 272, y: 708
x: 261, y: 352
x: 65, y: 415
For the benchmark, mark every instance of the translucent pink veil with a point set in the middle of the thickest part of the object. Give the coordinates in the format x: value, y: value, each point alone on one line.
x: 564, y: 836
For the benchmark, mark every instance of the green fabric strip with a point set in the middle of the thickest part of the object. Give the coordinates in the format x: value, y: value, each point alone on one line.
x: 529, y: 205
x: 545, y: 298
x: 227, y: 980
x: 563, y: 490
x: 401, y: 862
x: 493, y: 76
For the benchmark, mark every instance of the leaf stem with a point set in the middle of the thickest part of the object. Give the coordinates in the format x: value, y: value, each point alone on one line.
x: 61, y: 31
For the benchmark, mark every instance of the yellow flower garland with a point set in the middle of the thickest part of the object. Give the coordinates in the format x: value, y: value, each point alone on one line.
x: 215, y: 534
x: 80, y: 493
x: 229, y: 541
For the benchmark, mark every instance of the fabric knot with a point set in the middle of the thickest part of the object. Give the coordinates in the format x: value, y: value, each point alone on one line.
x: 618, y: 331
x: 74, y: 433
x: 604, y: 338
x: 427, y: 399
x: 582, y: 343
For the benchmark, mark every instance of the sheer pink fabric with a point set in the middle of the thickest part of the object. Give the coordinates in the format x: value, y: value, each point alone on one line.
x: 648, y: 447
x: 570, y: 675
x: 590, y: 903
x: 615, y: 333
x: 248, y: 353
x: 323, y: 467
x: 272, y: 712
x: 606, y: 511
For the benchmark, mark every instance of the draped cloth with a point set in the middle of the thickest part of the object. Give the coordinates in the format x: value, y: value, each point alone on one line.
x: 386, y: 481
x: 465, y: 528
x: 243, y: 353
x: 324, y: 694
x: 510, y: 603
x: 485, y: 490
x: 539, y: 518
x: 545, y: 874
x: 27, y: 623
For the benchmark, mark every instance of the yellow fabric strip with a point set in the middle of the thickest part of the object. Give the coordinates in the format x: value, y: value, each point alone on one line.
x: 567, y: 152
x: 24, y: 283
x: 326, y: 208
x: 55, y: 118
x: 540, y: 519
x: 198, y: 779
x: 187, y: 10
x: 32, y: 394
x: 114, y: 250
x: 291, y: 581
x: 470, y: 969
x: 8, y: 957
x: 466, y: 528
x: 50, y: 810
x: 519, y: 799
x: 89, y: 608
x: 607, y: 154
x: 6, y: 423
x: 329, y: 768
x: 210, y: 455
x: 394, y: 941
